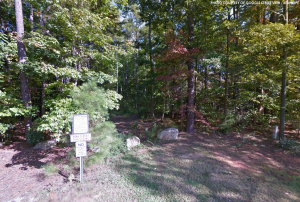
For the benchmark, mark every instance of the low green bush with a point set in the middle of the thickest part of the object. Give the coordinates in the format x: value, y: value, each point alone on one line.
x: 289, y: 144
x: 35, y: 137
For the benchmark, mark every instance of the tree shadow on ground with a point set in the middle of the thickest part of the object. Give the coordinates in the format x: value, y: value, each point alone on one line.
x: 26, y: 156
x: 196, y: 168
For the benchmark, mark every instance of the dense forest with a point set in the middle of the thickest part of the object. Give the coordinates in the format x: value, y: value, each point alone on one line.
x: 201, y: 62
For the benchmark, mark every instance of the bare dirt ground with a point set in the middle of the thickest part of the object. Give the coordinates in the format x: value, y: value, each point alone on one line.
x: 251, y: 152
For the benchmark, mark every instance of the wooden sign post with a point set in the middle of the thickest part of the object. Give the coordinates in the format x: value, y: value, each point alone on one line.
x: 80, y: 134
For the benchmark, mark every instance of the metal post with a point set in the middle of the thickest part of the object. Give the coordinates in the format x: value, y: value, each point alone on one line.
x: 81, y: 169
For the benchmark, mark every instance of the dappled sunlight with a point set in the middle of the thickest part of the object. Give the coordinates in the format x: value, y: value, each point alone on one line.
x: 203, y: 170
x: 257, y: 155
x: 235, y: 163
x: 230, y: 196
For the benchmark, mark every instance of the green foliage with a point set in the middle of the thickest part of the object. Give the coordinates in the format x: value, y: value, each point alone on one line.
x: 289, y: 144
x: 152, y: 134
x: 74, y: 42
x: 88, y: 98
x: 50, y: 169
x: 35, y: 137
x: 105, y: 141
x: 67, y: 46
x: 96, y: 102
x: 227, y: 124
x: 4, y: 127
x: 134, y: 125
x: 59, y: 118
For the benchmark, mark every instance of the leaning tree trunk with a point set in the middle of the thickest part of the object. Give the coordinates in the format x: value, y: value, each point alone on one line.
x: 25, y: 92
x: 191, y: 91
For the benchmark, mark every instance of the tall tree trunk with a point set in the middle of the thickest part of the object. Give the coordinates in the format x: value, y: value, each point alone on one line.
x: 182, y: 112
x: 117, y: 72
x: 31, y: 17
x: 283, y: 85
x: 152, y: 66
x: 126, y: 77
x: 8, y: 79
x: 206, y: 70
x: 236, y: 18
x: 164, y: 108
x: 191, y: 91
x: 145, y: 89
x: 136, y: 80
x: 25, y: 92
x: 195, y: 84
x: 227, y: 69
x: 43, y: 96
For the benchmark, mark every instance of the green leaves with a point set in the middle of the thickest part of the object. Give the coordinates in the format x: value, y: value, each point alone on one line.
x: 270, y: 39
x: 95, y: 101
x: 88, y: 98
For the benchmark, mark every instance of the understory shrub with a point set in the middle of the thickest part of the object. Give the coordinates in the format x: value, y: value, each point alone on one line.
x: 95, y: 101
x: 89, y: 99
x: 35, y: 137
x: 105, y: 142
x: 289, y: 144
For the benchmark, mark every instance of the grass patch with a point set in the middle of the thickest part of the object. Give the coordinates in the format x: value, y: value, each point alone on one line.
x: 50, y: 169
x: 171, y: 173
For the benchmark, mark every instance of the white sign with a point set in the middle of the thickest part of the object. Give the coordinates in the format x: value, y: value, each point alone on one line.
x: 80, y: 149
x: 80, y: 137
x: 80, y: 123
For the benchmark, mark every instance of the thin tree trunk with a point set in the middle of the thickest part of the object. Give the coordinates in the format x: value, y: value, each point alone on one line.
x: 145, y: 89
x: 227, y: 69
x: 206, y: 70
x: 31, y: 17
x: 195, y: 84
x: 191, y: 90
x: 152, y: 67
x: 283, y: 85
x: 8, y: 71
x: 261, y: 107
x: 25, y: 92
x: 236, y: 17
x: 126, y: 77
x: 182, y: 112
x: 117, y: 73
x: 136, y: 80
x: 164, y: 108
x: 43, y: 98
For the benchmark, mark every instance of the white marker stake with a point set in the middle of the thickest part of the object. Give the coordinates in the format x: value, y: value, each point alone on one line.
x: 81, y: 152
x: 81, y: 169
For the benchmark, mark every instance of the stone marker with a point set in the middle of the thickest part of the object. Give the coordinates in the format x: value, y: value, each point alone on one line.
x: 132, y: 142
x: 45, y: 145
x: 275, y: 132
x: 168, y: 134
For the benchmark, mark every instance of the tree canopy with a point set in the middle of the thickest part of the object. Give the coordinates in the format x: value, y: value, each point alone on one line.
x: 203, y: 63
